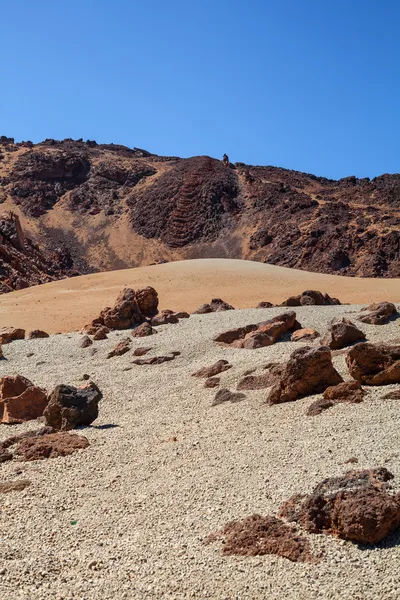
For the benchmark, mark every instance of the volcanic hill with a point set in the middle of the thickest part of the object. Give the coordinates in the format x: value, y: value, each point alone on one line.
x: 96, y: 207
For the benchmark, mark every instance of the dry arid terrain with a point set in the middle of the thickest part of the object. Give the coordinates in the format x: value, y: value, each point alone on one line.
x: 86, y: 207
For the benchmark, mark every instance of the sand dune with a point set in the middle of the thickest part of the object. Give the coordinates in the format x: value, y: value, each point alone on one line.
x: 68, y: 304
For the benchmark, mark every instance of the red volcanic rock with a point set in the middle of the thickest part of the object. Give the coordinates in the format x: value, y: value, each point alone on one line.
x: 50, y: 445
x: 355, y: 507
x: 143, y: 330
x: 261, y: 334
x: 394, y: 395
x: 147, y: 299
x: 378, y: 313
x: 85, y: 341
x: 228, y: 337
x: 304, y: 335
x: 308, y: 371
x: 164, y: 318
x: 10, y: 334
x: 219, y: 367
x: 126, y: 312
x: 257, y: 536
x: 260, y: 382
x: 216, y: 305
x: 374, y: 364
x: 121, y: 348
x: 347, y: 391
x: 342, y: 333
x: 310, y: 297
x: 212, y: 382
x: 20, y: 400
x: 101, y: 333
x: 225, y: 395
x: 265, y: 305
x: 71, y: 407
x: 156, y: 360
x: 141, y: 351
x: 36, y: 334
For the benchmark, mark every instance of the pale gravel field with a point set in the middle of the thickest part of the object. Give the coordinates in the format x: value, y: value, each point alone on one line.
x: 143, y: 505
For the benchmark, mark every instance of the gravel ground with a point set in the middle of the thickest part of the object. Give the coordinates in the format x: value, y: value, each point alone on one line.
x: 126, y: 518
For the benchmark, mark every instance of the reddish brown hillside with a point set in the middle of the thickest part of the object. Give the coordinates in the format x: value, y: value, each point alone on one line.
x: 115, y: 207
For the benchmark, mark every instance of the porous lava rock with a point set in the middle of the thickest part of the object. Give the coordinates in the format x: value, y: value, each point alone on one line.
x: 308, y: 371
x: 10, y: 334
x: 51, y: 445
x: 347, y: 391
x: 216, y: 305
x: 378, y: 313
x: 311, y: 297
x: 304, y: 335
x: 342, y: 333
x: 265, y: 305
x: 374, y: 364
x: 147, y: 300
x: 143, y: 330
x: 20, y: 400
x: 261, y: 334
x: 219, y: 367
x: 37, y: 334
x: 71, y: 407
x: 101, y: 333
x: 257, y: 535
x: 121, y: 348
x: 225, y: 395
x: 125, y: 313
x: 167, y: 317
x: 356, y: 506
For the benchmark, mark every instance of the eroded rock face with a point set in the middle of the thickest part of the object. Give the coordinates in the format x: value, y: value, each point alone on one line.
x: 10, y: 334
x: 216, y: 305
x: 342, y: 333
x: 374, y: 364
x: 347, y: 391
x: 304, y: 335
x: 50, y: 445
x: 308, y: 371
x: 355, y: 507
x: 20, y: 400
x: 257, y: 536
x: 219, y: 367
x: 121, y: 348
x: 261, y: 334
x: 143, y: 330
x: 36, y: 334
x: 378, y: 313
x: 71, y: 407
x: 311, y: 297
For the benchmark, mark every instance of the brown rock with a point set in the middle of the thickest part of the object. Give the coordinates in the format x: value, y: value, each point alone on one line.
x: 228, y: 337
x: 265, y: 305
x: 147, y: 299
x: 71, y: 407
x: 1, y: 353
x: 155, y: 360
x: 85, y: 341
x: 308, y: 371
x: 219, y: 367
x: 14, y: 486
x: 143, y: 330
x: 347, y: 391
x: 260, y: 334
x: 304, y: 335
x: 212, y: 382
x: 101, y: 333
x: 355, y: 507
x: 225, y: 395
x: 216, y: 305
x: 93, y: 326
x: 374, y: 364
x: 260, y: 382
x: 36, y: 334
x: 121, y: 348
x: 10, y: 334
x: 342, y: 333
x: 393, y: 395
x: 50, y: 445
x: 257, y: 536
x: 165, y: 317
x: 378, y: 313
x: 20, y: 400
x: 141, y: 351
x: 311, y: 297
x: 126, y: 312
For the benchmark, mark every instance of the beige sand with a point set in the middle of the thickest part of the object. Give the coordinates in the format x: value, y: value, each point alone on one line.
x: 67, y: 305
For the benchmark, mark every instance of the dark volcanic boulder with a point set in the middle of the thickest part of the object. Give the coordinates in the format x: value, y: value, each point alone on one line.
x: 10, y: 334
x: 261, y: 334
x: 378, y: 313
x: 311, y: 297
x: 374, y: 364
x: 126, y: 312
x: 36, y: 334
x: 216, y: 305
x: 101, y: 333
x: 308, y: 371
x: 71, y: 407
x: 342, y: 333
x: 147, y: 299
x: 355, y: 507
x: 165, y: 317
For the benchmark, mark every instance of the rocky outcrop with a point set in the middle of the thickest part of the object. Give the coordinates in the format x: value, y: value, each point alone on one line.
x: 37, y: 334
x: 342, y: 333
x: 147, y: 300
x: 261, y: 334
x: 10, y: 334
x: 378, y: 313
x: 374, y: 364
x: 311, y: 297
x: 219, y: 367
x: 356, y: 507
x: 393, y: 395
x: 308, y: 371
x: 212, y: 382
x: 71, y: 407
x: 216, y: 305
x: 347, y: 391
x: 20, y: 400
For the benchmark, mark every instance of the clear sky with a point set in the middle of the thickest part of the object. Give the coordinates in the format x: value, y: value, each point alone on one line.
x: 312, y: 85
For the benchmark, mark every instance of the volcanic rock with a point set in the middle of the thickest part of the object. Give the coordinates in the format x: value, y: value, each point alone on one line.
x: 355, y: 507
x: 164, y: 318
x: 265, y: 305
x: 212, y: 382
x: 14, y: 486
x: 143, y: 330
x: 394, y: 395
x: 50, y: 445
x: 126, y: 312
x: 304, y: 335
x: 342, y: 333
x: 311, y: 297
x: 219, y: 367
x: 101, y: 333
x: 156, y: 360
x: 71, y: 407
x: 260, y: 382
x: 216, y: 305
x: 225, y: 395
x: 374, y: 364
x: 378, y: 313
x: 347, y: 391
x: 85, y: 341
x: 308, y: 371
x: 260, y: 334
x: 36, y: 334
x: 20, y: 400
x: 147, y: 300
x: 121, y: 348
x: 10, y: 334
x: 141, y: 351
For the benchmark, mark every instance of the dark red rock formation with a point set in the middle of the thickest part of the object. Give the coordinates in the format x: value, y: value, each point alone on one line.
x: 304, y: 335
x: 36, y: 334
x: 121, y: 348
x: 261, y: 334
x: 10, y: 334
x: 225, y: 395
x: 20, y: 400
x: 378, y: 313
x: 51, y: 445
x: 219, y: 367
x: 347, y: 391
x: 374, y: 364
x: 143, y: 330
x: 156, y: 360
x: 342, y: 333
x: 311, y: 297
x: 216, y: 305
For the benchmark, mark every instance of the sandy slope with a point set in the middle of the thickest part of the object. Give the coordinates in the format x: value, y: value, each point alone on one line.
x: 67, y: 305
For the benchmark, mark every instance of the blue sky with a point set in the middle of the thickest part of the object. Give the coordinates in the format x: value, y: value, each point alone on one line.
x: 311, y: 85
